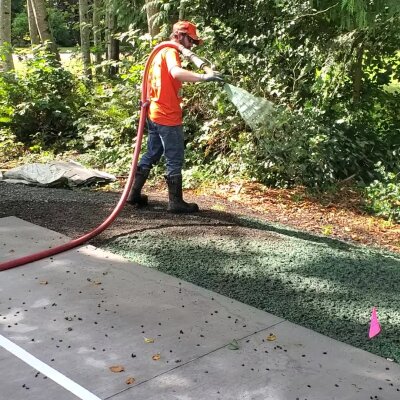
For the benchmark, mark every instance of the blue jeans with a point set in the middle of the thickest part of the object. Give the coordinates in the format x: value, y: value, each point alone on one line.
x: 167, y: 140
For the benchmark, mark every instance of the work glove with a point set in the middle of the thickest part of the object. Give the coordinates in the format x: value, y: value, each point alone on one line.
x: 213, y: 76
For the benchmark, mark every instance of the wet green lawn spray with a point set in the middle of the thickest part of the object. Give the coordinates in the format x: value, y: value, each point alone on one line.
x: 323, y: 284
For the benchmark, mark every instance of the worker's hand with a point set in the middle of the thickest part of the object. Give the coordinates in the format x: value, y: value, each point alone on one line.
x: 212, y: 76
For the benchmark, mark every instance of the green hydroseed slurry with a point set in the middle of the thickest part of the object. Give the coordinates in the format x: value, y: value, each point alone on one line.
x: 322, y: 284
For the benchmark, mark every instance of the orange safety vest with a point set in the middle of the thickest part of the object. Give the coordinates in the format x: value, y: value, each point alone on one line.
x: 165, y: 92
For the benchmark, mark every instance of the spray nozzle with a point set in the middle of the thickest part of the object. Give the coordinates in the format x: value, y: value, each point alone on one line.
x: 201, y: 64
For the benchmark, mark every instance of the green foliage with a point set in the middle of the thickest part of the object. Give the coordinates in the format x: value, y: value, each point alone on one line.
x: 383, y: 194
x: 40, y: 106
x: 306, y: 66
x: 62, y: 24
x: 128, y: 13
x: 300, y: 150
x: 214, y: 135
x: 115, y: 159
x: 8, y: 85
x: 107, y: 124
x: 17, y: 6
x: 328, y: 83
x: 351, y: 14
x: 64, y: 30
x: 20, y: 30
x: 10, y: 148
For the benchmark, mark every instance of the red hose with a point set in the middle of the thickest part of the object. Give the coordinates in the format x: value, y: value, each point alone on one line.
x: 76, y: 242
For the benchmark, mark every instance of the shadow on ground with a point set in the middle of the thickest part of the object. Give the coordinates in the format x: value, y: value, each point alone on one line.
x: 320, y: 283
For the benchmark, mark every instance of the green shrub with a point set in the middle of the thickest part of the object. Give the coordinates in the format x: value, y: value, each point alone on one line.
x: 8, y: 86
x: 20, y: 29
x: 108, y: 122
x: 383, y: 194
x: 10, y: 148
x: 116, y: 159
x: 42, y: 104
x: 63, y: 28
x: 323, y: 135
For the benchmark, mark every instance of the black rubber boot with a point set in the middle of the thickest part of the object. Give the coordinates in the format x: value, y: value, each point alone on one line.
x: 176, y: 203
x: 135, y: 197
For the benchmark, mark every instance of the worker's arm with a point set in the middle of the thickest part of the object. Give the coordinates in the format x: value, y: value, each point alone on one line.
x: 184, y: 75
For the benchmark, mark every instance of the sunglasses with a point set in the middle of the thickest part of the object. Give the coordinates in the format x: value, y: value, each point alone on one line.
x: 191, y: 40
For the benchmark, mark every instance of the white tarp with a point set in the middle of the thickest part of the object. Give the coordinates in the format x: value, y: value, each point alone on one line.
x: 56, y: 174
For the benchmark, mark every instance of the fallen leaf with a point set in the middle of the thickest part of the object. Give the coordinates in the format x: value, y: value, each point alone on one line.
x: 156, y: 357
x: 234, y: 345
x: 148, y: 340
x: 271, y: 337
x: 327, y: 230
x: 117, y: 368
x: 218, y: 207
x: 130, y: 381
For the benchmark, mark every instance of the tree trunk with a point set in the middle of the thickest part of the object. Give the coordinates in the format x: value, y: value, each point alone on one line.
x: 33, y: 32
x: 5, y: 35
x: 113, y: 44
x: 40, y: 12
x: 85, y: 37
x: 107, y: 32
x: 152, y: 11
x: 182, y: 7
x: 357, y: 73
x: 97, y: 4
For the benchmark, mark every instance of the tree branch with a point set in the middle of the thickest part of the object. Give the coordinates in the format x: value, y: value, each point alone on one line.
x: 316, y: 13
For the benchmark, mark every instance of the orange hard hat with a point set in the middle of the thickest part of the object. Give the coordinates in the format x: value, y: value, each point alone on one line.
x: 189, y: 28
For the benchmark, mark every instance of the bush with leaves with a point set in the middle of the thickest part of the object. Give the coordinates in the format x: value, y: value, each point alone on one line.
x: 42, y: 103
x: 108, y: 121
x: 10, y: 148
x: 64, y: 27
x: 383, y: 194
x: 294, y: 57
x: 287, y: 52
x: 63, y: 24
x: 20, y: 30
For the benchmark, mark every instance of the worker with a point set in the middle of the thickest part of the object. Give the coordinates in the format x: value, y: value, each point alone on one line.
x: 164, y: 120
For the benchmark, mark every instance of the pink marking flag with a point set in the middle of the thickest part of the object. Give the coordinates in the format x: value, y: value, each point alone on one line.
x: 374, y: 327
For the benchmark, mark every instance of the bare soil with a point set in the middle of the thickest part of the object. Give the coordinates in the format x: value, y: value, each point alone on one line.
x: 75, y: 212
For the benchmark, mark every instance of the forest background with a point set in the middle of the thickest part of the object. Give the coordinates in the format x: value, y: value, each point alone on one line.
x: 72, y: 69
